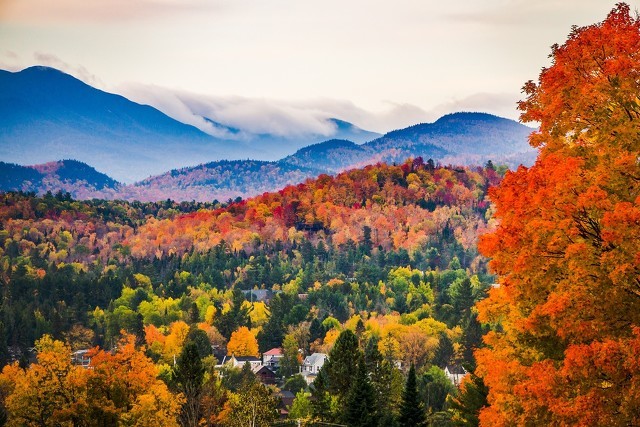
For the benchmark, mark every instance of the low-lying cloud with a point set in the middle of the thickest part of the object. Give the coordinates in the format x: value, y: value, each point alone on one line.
x: 242, y: 117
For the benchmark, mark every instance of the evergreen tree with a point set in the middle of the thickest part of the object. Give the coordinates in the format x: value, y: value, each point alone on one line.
x: 360, y: 408
x: 471, y: 339
x: 463, y: 299
x: 472, y: 397
x: 342, y: 364
x: 321, y: 404
x: 189, y: 374
x: 411, y: 413
x: 444, y: 352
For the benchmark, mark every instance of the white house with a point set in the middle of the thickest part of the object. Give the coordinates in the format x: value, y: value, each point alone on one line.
x: 239, y: 361
x: 272, y: 358
x: 455, y: 373
x: 312, y: 365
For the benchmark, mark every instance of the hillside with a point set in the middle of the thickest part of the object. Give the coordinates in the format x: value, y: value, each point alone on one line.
x: 47, y: 114
x: 220, y: 180
x: 77, y: 178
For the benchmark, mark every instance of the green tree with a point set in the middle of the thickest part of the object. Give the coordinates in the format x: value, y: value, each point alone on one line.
x: 342, y: 365
x: 434, y: 389
x: 444, y: 352
x: 472, y: 397
x: 189, y: 374
x: 411, y: 413
x: 321, y: 405
x: 301, y: 407
x: 360, y: 410
x: 289, y: 362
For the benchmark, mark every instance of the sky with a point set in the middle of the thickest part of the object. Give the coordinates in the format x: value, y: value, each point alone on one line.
x: 283, y: 66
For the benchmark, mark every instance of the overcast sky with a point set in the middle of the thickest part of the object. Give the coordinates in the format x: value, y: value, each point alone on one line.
x: 382, y: 64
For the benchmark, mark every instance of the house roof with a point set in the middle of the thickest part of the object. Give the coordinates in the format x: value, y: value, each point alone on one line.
x: 247, y: 359
x: 264, y: 369
x: 274, y: 352
x: 456, y: 370
x: 315, y: 359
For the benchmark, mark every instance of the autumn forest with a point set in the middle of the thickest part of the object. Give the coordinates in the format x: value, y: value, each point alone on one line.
x: 407, y: 294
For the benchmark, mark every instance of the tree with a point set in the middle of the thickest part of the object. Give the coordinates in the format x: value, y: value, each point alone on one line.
x: 290, y: 356
x: 254, y: 406
x: 444, y: 352
x: 411, y: 412
x: 434, y: 389
x: 472, y: 398
x: 321, y: 405
x: 301, y: 407
x: 360, y: 410
x: 189, y: 374
x: 342, y: 365
x: 243, y: 343
x: 567, y: 244
x: 48, y: 393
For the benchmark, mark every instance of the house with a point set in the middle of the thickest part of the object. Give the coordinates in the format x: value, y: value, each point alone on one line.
x: 264, y: 374
x: 286, y: 400
x: 259, y: 295
x: 239, y: 361
x: 311, y: 366
x: 81, y: 358
x: 455, y: 373
x: 272, y: 358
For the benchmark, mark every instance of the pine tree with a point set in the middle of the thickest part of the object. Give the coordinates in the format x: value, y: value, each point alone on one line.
x: 471, y: 340
x: 189, y: 374
x: 444, y: 352
x: 321, y: 403
x: 360, y: 403
x: 342, y: 364
x: 411, y: 414
x: 472, y: 397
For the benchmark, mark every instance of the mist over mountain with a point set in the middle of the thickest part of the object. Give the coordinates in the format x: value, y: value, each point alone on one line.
x: 46, y: 114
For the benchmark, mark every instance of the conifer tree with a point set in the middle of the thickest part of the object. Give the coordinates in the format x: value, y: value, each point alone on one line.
x: 189, y: 374
x: 342, y: 364
x: 360, y: 408
x: 444, y: 352
x: 321, y: 403
x: 411, y: 414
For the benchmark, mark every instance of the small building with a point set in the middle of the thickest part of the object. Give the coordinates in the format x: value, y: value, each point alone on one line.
x: 311, y: 366
x: 286, y: 400
x: 272, y: 358
x: 264, y: 374
x: 81, y: 358
x: 239, y: 361
x: 455, y: 373
x: 259, y: 295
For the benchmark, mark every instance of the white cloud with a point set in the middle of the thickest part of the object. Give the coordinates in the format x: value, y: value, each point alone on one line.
x: 288, y: 119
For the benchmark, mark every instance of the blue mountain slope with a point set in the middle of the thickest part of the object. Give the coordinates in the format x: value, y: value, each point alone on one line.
x: 46, y: 114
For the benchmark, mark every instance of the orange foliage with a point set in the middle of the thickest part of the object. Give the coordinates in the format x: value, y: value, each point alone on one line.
x: 243, y: 343
x: 567, y: 246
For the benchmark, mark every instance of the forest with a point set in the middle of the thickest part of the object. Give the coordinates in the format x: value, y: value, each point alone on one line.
x: 397, y: 278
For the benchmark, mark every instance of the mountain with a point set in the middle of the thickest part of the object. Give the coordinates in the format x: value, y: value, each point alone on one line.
x: 221, y: 180
x: 47, y: 114
x: 79, y: 179
x: 467, y: 138
x: 458, y: 138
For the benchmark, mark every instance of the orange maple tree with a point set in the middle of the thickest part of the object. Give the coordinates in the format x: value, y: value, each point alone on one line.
x: 567, y: 248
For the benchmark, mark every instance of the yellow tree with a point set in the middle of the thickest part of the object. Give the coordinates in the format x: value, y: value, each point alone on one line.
x: 567, y: 247
x: 243, y: 343
x: 124, y: 386
x: 51, y: 392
